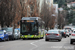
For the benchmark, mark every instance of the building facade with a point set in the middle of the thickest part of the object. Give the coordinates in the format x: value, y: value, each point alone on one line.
x: 72, y: 4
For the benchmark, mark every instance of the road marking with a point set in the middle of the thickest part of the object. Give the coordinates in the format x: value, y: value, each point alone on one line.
x: 35, y: 44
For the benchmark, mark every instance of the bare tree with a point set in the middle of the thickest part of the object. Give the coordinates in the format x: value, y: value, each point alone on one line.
x: 61, y: 19
x: 47, y: 17
x: 52, y: 17
x: 11, y: 11
x: 8, y: 9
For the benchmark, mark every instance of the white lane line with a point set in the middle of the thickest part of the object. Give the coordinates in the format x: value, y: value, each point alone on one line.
x: 35, y: 44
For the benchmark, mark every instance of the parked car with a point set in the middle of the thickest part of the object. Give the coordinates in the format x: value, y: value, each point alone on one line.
x: 3, y: 35
x: 45, y: 31
x: 10, y: 32
x: 70, y: 31
x: 16, y: 34
x: 63, y: 32
x: 53, y: 35
x: 19, y: 31
x: 72, y: 38
x: 67, y: 33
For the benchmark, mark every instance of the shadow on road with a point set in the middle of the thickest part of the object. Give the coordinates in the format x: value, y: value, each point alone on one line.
x: 31, y: 39
x: 21, y: 40
x: 53, y: 41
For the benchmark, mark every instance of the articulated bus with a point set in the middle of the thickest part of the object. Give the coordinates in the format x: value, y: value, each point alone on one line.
x: 31, y: 27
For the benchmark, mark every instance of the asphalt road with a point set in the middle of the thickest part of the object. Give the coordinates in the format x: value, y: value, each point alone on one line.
x: 36, y: 44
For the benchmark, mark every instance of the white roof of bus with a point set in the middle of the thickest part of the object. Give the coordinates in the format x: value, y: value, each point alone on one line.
x: 30, y: 18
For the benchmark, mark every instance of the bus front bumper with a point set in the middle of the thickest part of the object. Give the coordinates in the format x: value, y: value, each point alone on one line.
x: 31, y: 36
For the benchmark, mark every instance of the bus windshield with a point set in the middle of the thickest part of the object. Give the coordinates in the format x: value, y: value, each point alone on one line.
x: 1, y: 32
x: 29, y: 27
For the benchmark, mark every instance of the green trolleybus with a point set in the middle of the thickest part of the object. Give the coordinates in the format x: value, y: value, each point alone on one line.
x: 31, y: 27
